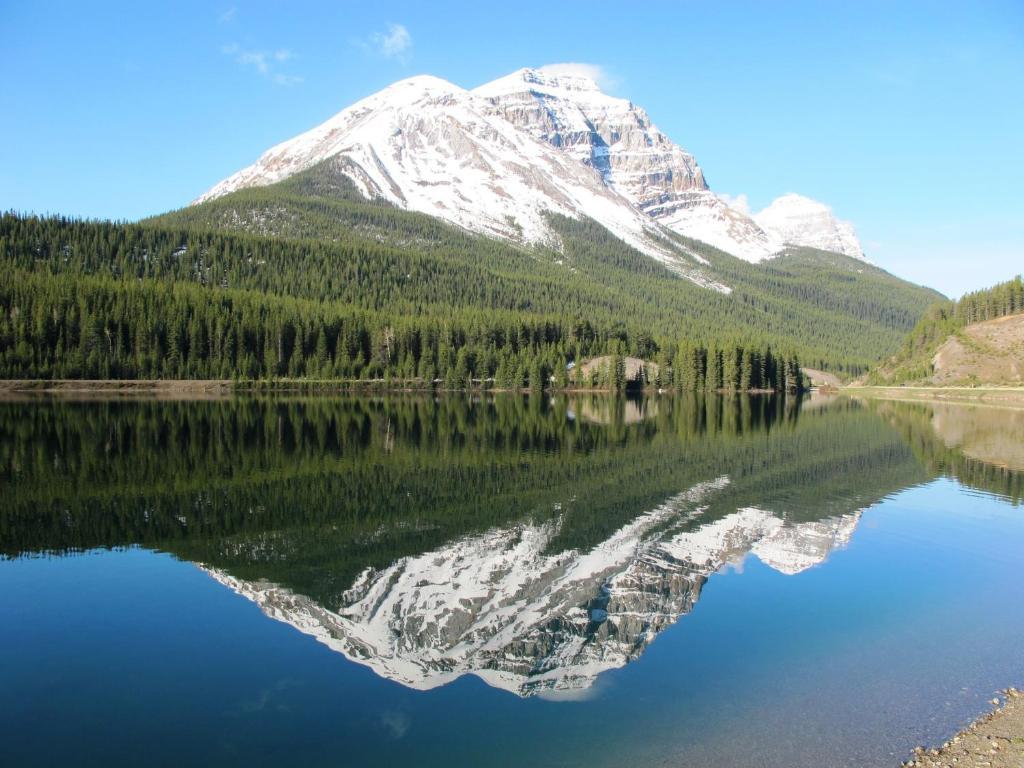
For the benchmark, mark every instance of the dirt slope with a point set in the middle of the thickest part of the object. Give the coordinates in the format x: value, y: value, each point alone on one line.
x: 984, y: 353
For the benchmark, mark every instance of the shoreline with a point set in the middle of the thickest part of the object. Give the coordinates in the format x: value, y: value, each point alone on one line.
x: 994, y: 740
x: 1001, y: 396
x: 222, y: 388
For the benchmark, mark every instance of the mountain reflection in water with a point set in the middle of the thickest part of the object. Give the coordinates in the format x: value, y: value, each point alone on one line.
x: 534, y: 543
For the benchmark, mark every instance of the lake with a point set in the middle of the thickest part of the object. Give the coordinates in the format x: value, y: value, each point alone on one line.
x: 504, y: 581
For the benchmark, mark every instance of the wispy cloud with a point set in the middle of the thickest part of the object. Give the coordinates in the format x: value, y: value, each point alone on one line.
x: 265, y: 63
x: 738, y: 202
x: 595, y: 72
x: 228, y: 16
x: 395, y: 43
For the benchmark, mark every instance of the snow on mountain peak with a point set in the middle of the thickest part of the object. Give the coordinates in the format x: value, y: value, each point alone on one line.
x: 543, y: 81
x: 497, y: 159
x: 610, y: 134
x: 798, y: 220
x: 413, y: 89
x: 634, y: 157
x: 427, y: 145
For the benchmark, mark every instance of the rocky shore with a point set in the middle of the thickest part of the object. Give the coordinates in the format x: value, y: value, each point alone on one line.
x: 995, y: 740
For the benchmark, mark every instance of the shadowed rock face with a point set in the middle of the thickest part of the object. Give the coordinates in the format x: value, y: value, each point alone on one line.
x: 501, y: 606
x: 618, y: 139
x: 609, y: 134
x: 637, y: 160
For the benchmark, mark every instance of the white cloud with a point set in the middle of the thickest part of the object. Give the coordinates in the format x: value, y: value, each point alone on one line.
x: 257, y: 59
x: 738, y: 202
x: 265, y: 63
x: 396, y: 43
x: 228, y: 16
x: 595, y: 72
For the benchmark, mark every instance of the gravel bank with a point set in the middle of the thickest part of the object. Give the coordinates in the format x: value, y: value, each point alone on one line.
x: 994, y: 741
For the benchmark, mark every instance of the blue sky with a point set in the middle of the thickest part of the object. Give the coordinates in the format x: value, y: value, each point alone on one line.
x: 907, y: 118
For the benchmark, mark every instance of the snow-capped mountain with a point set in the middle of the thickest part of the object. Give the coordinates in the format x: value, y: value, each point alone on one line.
x: 498, y: 605
x: 635, y: 158
x: 607, y: 133
x: 496, y: 159
x: 430, y: 146
x: 798, y: 220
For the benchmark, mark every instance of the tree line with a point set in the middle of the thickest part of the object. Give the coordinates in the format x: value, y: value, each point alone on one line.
x: 990, y: 303
x: 60, y: 326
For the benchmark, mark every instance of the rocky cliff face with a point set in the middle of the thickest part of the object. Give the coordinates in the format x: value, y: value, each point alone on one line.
x: 611, y: 135
x: 637, y: 160
x: 500, y: 606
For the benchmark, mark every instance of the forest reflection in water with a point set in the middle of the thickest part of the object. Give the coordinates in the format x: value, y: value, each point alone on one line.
x: 535, y: 542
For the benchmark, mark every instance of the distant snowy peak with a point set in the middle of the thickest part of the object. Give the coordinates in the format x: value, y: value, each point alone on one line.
x: 706, y: 217
x: 798, y: 220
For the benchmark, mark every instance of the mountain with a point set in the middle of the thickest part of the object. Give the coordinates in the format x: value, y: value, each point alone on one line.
x: 427, y: 145
x: 633, y: 156
x: 433, y: 234
x: 797, y: 220
x: 497, y: 159
x: 501, y: 606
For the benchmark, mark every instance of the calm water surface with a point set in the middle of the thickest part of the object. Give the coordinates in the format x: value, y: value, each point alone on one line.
x: 506, y: 581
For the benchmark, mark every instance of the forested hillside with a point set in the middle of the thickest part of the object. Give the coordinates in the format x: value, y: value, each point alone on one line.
x: 306, y: 279
x: 957, y: 323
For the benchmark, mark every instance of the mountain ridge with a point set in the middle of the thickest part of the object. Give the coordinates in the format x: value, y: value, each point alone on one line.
x: 483, y: 159
x: 427, y: 145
